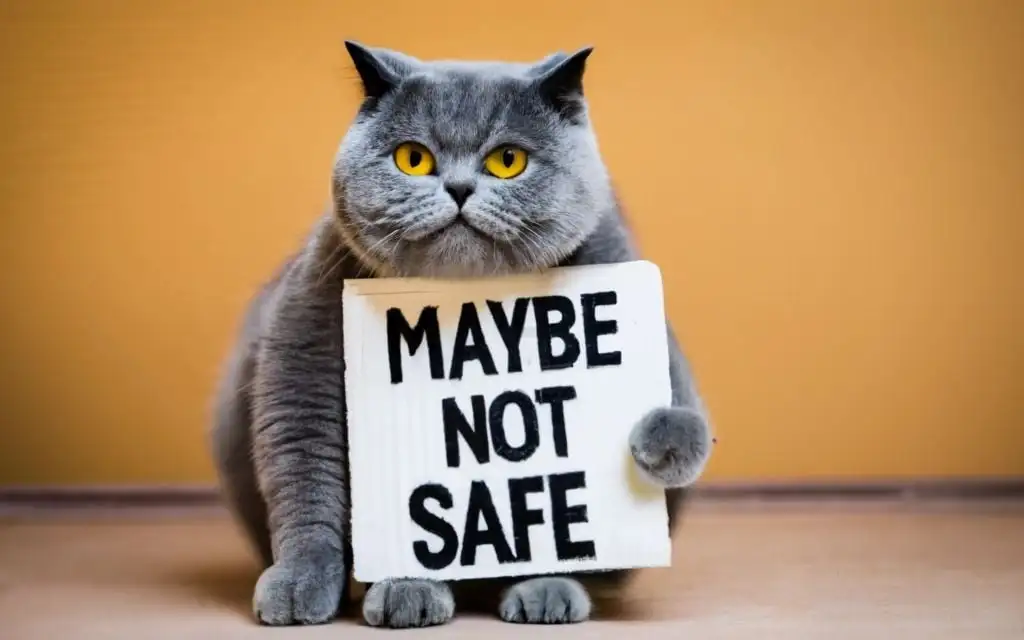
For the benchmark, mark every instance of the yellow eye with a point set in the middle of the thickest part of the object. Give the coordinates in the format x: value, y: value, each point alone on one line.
x: 505, y: 162
x: 414, y: 159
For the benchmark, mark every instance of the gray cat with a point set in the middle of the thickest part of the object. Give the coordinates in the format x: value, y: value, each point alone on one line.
x: 450, y: 169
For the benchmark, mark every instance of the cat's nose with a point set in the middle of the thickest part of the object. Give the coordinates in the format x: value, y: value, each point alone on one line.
x: 459, y: 192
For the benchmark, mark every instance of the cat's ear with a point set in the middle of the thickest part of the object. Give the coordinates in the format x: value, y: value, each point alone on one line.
x: 560, y: 80
x: 539, y: 69
x: 379, y: 70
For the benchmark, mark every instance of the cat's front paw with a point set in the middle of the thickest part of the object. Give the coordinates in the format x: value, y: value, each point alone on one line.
x: 404, y: 603
x: 301, y: 591
x: 549, y: 600
x: 671, y: 446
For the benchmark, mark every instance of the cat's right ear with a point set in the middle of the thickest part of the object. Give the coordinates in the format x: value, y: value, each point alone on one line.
x: 560, y: 81
x: 380, y: 71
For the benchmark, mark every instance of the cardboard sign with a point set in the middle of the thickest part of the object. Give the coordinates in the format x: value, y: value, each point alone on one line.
x: 489, y: 419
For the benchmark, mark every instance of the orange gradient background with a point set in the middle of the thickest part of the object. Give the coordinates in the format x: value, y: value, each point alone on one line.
x: 834, y: 191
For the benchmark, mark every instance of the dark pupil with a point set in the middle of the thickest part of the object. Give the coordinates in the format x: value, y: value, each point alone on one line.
x: 508, y: 158
x: 415, y: 157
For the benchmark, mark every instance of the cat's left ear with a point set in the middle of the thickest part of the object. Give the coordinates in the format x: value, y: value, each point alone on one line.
x: 560, y: 81
x: 379, y: 70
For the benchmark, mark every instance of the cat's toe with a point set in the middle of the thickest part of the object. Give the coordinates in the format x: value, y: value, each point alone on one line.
x: 549, y: 600
x: 407, y: 603
x: 671, y: 446
x: 299, y: 593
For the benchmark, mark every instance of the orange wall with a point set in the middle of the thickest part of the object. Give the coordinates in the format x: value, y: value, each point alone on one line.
x: 834, y: 189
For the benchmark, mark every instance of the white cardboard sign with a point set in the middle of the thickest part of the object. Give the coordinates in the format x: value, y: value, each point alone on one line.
x: 489, y: 419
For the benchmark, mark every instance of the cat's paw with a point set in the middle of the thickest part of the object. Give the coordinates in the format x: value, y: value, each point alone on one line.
x: 404, y: 603
x: 306, y: 591
x: 671, y: 446
x: 550, y: 600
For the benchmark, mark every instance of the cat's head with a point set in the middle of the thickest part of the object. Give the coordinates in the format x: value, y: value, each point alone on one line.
x: 468, y: 168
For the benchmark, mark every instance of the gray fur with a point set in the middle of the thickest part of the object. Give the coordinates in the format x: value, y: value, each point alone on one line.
x: 404, y: 603
x: 545, y: 600
x: 671, y: 445
x: 279, y: 438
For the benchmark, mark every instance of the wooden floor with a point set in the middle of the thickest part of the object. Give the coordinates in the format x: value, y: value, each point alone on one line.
x: 831, y: 571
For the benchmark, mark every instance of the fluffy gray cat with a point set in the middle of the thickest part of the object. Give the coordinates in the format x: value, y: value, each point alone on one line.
x: 450, y: 169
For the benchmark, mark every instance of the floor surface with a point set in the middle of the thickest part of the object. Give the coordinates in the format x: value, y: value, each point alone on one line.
x: 741, y: 571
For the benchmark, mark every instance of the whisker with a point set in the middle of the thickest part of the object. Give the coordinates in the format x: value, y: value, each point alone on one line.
x: 334, y: 259
x: 379, y: 243
x: 364, y: 268
x: 324, y: 275
x: 330, y: 257
x: 533, y: 240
